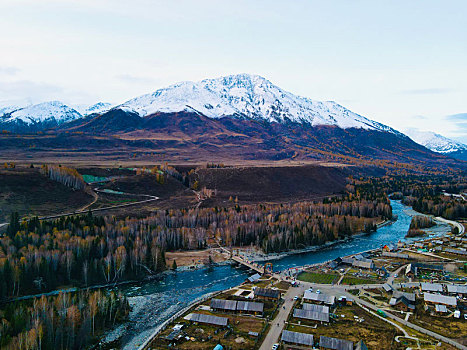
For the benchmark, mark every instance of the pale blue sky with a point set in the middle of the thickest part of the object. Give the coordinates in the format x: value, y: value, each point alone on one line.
x: 403, y: 63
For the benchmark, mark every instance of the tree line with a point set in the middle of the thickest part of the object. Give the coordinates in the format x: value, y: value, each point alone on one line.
x: 68, y: 176
x: 83, y: 250
x: 63, y: 321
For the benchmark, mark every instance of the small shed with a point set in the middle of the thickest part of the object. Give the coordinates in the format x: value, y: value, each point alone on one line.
x: 442, y: 309
x: 254, y: 278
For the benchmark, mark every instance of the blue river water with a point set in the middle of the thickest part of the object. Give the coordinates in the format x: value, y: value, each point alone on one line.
x: 155, y: 301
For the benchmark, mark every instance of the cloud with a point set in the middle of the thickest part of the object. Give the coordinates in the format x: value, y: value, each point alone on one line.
x: 431, y: 91
x: 127, y: 78
x: 420, y: 117
x: 28, y: 89
x: 459, y: 117
x: 37, y: 92
x: 459, y: 121
x: 9, y: 70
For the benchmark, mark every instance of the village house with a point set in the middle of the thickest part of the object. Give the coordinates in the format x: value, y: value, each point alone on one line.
x: 389, y: 248
x: 297, y: 338
x: 403, y: 301
x: 456, y: 289
x: 319, y: 298
x: 208, y: 319
x: 223, y: 305
x: 364, y: 264
x: 395, y: 255
x: 312, y: 315
x: 247, y: 307
x: 434, y: 299
x: 250, y: 307
x: 431, y: 287
x: 388, y: 288
x: 267, y: 294
x: 461, y: 251
x: 335, y: 343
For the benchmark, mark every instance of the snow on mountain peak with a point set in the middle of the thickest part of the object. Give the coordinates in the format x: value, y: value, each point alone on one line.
x: 246, y: 96
x: 435, y: 142
x: 52, y: 111
x: 13, y: 105
x: 97, y: 108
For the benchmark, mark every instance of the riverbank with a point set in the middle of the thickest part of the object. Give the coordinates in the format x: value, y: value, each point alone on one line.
x: 255, y: 255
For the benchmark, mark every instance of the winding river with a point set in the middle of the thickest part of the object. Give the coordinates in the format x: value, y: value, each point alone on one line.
x: 155, y: 301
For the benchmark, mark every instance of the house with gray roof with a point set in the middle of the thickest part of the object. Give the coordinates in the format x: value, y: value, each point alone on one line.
x: 431, y: 287
x: 250, y: 307
x: 319, y: 298
x: 364, y: 264
x: 223, y: 305
x: 297, y: 338
x: 433, y: 299
x: 267, y: 294
x: 334, y: 343
x: 315, y: 307
x: 311, y: 315
x: 403, y: 301
x: 460, y: 289
x: 208, y: 319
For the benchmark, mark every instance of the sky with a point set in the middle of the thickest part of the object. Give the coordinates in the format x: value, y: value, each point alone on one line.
x: 402, y: 63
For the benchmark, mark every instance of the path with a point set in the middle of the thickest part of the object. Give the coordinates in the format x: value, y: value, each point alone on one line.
x: 392, y: 276
x: 454, y: 223
x: 279, y: 322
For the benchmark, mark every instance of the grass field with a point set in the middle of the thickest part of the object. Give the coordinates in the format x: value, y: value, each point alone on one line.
x: 313, y: 277
x: 357, y: 280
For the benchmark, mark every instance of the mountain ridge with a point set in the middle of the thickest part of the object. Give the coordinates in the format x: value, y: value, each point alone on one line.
x: 246, y: 96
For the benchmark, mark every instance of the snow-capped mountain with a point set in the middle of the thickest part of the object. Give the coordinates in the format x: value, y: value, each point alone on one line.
x: 97, y: 108
x: 247, y: 96
x: 435, y: 142
x: 11, y: 106
x: 40, y: 116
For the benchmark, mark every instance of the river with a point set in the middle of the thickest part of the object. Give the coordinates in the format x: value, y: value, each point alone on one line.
x: 155, y: 301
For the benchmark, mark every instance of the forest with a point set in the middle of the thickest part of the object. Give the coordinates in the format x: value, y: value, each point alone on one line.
x: 434, y: 194
x: 86, y: 250
x: 63, y: 321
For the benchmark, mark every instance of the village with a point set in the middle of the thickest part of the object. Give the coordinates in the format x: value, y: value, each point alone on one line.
x: 398, y: 296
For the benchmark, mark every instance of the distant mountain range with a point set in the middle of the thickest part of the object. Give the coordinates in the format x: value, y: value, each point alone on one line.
x: 438, y: 143
x: 24, y: 117
x: 240, y: 115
